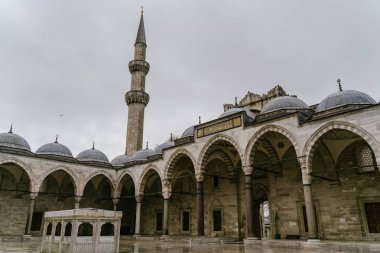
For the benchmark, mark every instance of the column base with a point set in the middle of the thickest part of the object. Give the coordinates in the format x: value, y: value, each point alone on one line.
x: 253, y: 242
x: 164, y: 237
x: 316, y: 240
x: 137, y: 236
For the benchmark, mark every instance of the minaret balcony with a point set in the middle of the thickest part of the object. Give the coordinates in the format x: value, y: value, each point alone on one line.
x: 139, y: 65
x: 136, y: 97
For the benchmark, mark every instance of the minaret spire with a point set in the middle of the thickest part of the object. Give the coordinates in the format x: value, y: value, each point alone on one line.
x: 140, y: 38
x: 137, y: 98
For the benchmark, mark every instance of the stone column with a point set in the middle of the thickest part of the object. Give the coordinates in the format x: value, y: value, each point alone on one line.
x: 77, y: 201
x: 115, y: 203
x: 138, y: 214
x: 166, y: 196
x: 30, y: 214
x: 249, y: 202
x: 200, y: 205
x: 309, y: 203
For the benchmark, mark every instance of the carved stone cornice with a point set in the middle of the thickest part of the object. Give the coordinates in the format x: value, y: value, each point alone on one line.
x: 139, y: 65
x: 136, y: 97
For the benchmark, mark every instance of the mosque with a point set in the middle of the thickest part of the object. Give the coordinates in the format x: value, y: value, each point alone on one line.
x: 270, y: 166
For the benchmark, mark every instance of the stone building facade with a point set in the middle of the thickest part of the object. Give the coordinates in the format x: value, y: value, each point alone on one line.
x: 269, y: 166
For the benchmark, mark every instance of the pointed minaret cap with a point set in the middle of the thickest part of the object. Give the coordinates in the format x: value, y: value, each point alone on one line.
x: 141, y: 32
x: 11, y: 129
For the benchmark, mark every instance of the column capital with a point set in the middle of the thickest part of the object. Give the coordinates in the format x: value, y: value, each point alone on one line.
x: 166, y: 194
x: 33, y: 195
x: 78, y: 199
x: 139, y: 198
x: 115, y: 201
x: 200, y: 176
x: 248, y: 169
x: 302, y: 161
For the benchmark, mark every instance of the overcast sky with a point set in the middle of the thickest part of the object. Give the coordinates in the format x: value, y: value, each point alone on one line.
x: 70, y: 58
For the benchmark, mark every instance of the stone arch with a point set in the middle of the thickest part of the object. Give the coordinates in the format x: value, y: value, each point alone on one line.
x: 149, y: 170
x: 179, y: 153
x: 310, y: 147
x: 33, y: 187
x: 70, y: 172
x: 121, y: 181
x: 250, y: 149
x: 97, y: 173
x: 219, y: 137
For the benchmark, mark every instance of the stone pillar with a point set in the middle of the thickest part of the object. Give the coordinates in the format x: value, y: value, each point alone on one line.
x: 309, y: 203
x: 115, y: 203
x: 200, y: 205
x: 249, y: 203
x: 30, y: 213
x: 138, y: 214
x: 166, y: 196
x: 77, y: 201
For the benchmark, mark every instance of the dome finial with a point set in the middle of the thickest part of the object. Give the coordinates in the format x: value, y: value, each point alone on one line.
x: 142, y: 10
x: 236, y: 101
x: 10, y: 130
x: 93, y: 145
x: 339, y: 85
x: 56, y: 139
x: 147, y: 145
x: 199, y: 120
x: 171, y: 137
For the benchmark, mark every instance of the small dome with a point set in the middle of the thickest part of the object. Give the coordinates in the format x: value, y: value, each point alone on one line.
x: 13, y: 141
x: 92, y: 155
x: 236, y: 110
x: 54, y: 148
x: 142, y: 154
x: 345, y: 97
x: 167, y: 144
x: 121, y: 160
x: 284, y: 102
x: 188, y: 132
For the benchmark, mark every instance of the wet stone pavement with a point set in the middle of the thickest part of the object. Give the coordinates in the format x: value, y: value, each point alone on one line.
x: 167, y: 247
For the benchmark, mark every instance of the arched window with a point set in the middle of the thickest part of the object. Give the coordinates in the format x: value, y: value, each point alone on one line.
x: 49, y: 229
x: 107, y: 230
x: 68, y: 228
x: 58, y: 228
x: 85, y: 229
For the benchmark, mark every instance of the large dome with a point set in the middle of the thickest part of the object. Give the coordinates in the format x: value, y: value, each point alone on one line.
x: 188, y: 132
x: 285, y: 103
x: 142, y: 154
x: 121, y: 160
x: 236, y: 110
x: 92, y: 155
x: 167, y: 144
x: 344, y: 97
x: 13, y: 141
x: 54, y: 148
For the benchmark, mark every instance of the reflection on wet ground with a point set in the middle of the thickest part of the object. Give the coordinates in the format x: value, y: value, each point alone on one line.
x: 165, y: 247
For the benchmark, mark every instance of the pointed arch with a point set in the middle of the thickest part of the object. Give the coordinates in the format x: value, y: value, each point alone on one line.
x: 97, y: 173
x: 149, y: 170
x: 179, y: 153
x: 252, y: 147
x: 70, y: 172
x: 219, y: 137
x: 310, y: 147
x: 32, y: 178
x: 122, y: 179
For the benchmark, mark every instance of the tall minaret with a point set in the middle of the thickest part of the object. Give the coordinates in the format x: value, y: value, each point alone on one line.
x: 136, y: 98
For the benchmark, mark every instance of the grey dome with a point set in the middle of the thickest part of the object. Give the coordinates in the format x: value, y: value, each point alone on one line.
x: 13, y: 141
x: 344, y: 97
x: 142, y: 154
x: 54, y: 148
x: 121, y: 160
x: 284, y: 102
x: 92, y: 155
x: 188, y: 132
x: 167, y: 144
x: 236, y: 110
